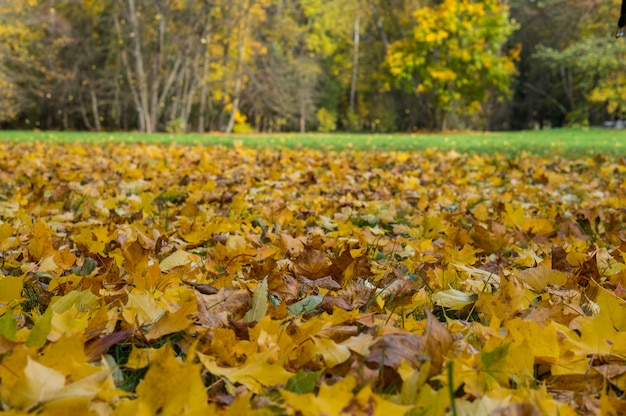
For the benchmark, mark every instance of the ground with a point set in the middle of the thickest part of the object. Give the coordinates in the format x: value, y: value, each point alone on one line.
x: 461, y: 278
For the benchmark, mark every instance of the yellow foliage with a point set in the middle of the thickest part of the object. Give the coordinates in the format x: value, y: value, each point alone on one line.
x: 209, y: 280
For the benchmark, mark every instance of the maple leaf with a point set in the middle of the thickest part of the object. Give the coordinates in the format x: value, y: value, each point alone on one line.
x: 10, y: 292
x: 339, y: 399
x: 311, y: 263
x: 259, y: 371
x: 170, y: 387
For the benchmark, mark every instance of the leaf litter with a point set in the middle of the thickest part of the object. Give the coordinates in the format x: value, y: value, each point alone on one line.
x: 145, y: 279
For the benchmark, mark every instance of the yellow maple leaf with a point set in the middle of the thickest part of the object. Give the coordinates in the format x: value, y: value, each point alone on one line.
x: 259, y: 371
x: 171, y: 387
x: 39, y: 384
x: 332, y: 353
x: 142, y: 309
x: 339, y: 399
x: 10, y: 292
x: 538, y: 278
x: 176, y: 259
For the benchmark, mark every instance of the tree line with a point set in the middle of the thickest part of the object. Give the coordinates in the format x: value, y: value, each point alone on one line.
x: 299, y: 65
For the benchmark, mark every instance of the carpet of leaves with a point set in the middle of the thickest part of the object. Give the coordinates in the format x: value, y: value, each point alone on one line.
x: 144, y: 279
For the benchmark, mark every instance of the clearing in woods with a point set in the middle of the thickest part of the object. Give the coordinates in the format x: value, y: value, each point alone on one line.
x: 178, y: 278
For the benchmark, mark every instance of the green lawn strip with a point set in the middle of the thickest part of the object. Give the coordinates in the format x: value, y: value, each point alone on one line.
x: 564, y: 142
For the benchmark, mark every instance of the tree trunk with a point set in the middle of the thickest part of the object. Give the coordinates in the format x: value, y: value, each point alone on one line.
x: 302, y: 114
x: 355, y: 66
x: 379, y: 25
x: 129, y: 77
x: 83, y: 112
x: 144, y: 105
x: 242, y: 41
x: 204, y: 74
x: 94, y: 108
x: 156, y: 72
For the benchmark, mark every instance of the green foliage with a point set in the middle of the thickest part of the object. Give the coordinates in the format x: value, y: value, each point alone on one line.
x: 327, y: 120
x: 454, y: 55
x: 175, y: 126
x: 595, y: 74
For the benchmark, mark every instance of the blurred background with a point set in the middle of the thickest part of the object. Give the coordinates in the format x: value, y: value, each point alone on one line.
x: 306, y: 65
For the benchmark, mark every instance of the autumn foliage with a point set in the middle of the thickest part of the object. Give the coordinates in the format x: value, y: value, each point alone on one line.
x: 144, y: 279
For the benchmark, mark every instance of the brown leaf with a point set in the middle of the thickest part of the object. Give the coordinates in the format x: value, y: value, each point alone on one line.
x: 339, y: 333
x: 438, y: 341
x: 559, y: 259
x: 588, y: 384
x: 517, y: 409
x: 330, y: 302
x: 340, y: 264
x: 96, y: 347
x: 391, y: 349
x: 264, y: 268
x: 227, y: 304
x: 589, y: 270
x: 203, y: 288
x: 284, y: 287
x: 311, y: 263
x: 294, y: 246
x: 326, y: 282
x: 618, y: 253
x: 6, y: 345
x: 357, y: 295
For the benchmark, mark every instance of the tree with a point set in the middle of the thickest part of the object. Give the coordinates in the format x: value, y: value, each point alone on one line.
x: 585, y: 68
x: 159, y: 47
x: 454, y: 55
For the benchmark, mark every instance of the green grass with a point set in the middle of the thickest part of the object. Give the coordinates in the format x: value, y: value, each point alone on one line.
x: 565, y: 142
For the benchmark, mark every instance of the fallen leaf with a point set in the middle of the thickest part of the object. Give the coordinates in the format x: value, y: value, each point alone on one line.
x: 259, y: 303
x: 259, y: 371
x: 538, y: 278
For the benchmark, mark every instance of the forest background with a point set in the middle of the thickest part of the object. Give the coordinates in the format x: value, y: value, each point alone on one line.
x: 299, y: 65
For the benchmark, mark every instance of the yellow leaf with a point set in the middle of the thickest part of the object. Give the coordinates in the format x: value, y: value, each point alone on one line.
x: 173, y: 322
x: 10, y: 292
x: 141, y: 357
x: 333, y: 354
x: 357, y: 252
x: 69, y: 322
x: 143, y: 308
x: 83, y: 300
x: 540, y: 341
x: 39, y: 384
x: 509, y: 300
x: 67, y: 355
x: 64, y: 258
x: 176, y: 259
x: 339, y: 399
x: 453, y: 299
x: 360, y: 344
x: 260, y: 370
x: 538, y: 278
x: 576, y: 259
x: 40, y: 245
x: 171, y: 387
x: 540, y: 226
x: 513, y: 216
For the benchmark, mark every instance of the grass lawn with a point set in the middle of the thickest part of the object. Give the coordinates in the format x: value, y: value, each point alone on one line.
x: 565, y: 142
